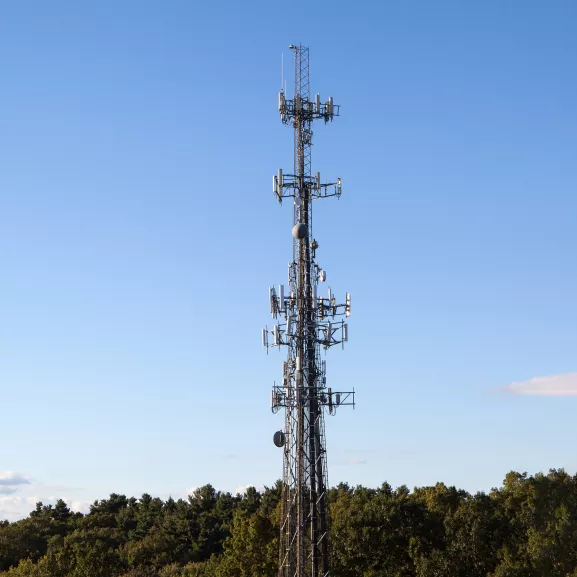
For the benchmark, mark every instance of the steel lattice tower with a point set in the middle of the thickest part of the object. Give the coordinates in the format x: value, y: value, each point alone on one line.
x: 308, y: 323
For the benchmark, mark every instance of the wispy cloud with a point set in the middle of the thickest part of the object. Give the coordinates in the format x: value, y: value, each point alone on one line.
x: 554, y: 386
x: 11, y: 478
x: 355, y: 461
x: 8, y: 490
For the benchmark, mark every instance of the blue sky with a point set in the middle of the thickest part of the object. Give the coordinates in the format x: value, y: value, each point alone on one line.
x: 139, y: 236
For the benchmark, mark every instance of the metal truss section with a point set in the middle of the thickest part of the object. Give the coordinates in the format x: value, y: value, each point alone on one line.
x: 290, y: 185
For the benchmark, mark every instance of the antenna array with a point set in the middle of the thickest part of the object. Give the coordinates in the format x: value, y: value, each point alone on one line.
x: 307, y: 323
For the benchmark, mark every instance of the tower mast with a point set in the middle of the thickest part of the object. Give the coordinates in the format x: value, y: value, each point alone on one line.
x: 310, y: 322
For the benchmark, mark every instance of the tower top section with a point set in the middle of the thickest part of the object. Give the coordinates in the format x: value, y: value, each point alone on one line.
x: 300, y: 107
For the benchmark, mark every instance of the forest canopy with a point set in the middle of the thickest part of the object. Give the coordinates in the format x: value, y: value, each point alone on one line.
x: 526, y: 528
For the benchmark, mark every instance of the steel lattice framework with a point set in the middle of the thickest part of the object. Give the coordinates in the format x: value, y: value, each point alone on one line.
x: 308, y: 323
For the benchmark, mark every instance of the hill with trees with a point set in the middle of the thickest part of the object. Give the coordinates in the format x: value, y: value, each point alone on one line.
x: 526, y: 528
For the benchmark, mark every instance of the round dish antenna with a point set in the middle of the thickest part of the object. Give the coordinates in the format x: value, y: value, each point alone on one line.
x: 279, y: 439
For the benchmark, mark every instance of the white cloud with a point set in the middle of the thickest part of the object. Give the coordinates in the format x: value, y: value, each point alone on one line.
x: 10, y: 501
x: 10, y: 508
x: 11, y: 483
x: 554, y: 386
x: 78, y: 506
x: 11, y: 478
x: 18, y: 496
x: 243, y: 489
x: 29, y: 503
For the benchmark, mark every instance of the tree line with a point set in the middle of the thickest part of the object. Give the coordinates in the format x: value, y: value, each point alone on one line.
x: 526, y: 528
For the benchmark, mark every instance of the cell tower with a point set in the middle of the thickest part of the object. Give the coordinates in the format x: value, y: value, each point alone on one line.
x: 307, y: 323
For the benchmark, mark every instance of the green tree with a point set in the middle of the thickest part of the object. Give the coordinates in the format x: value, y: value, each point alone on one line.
x: 252, y: 550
